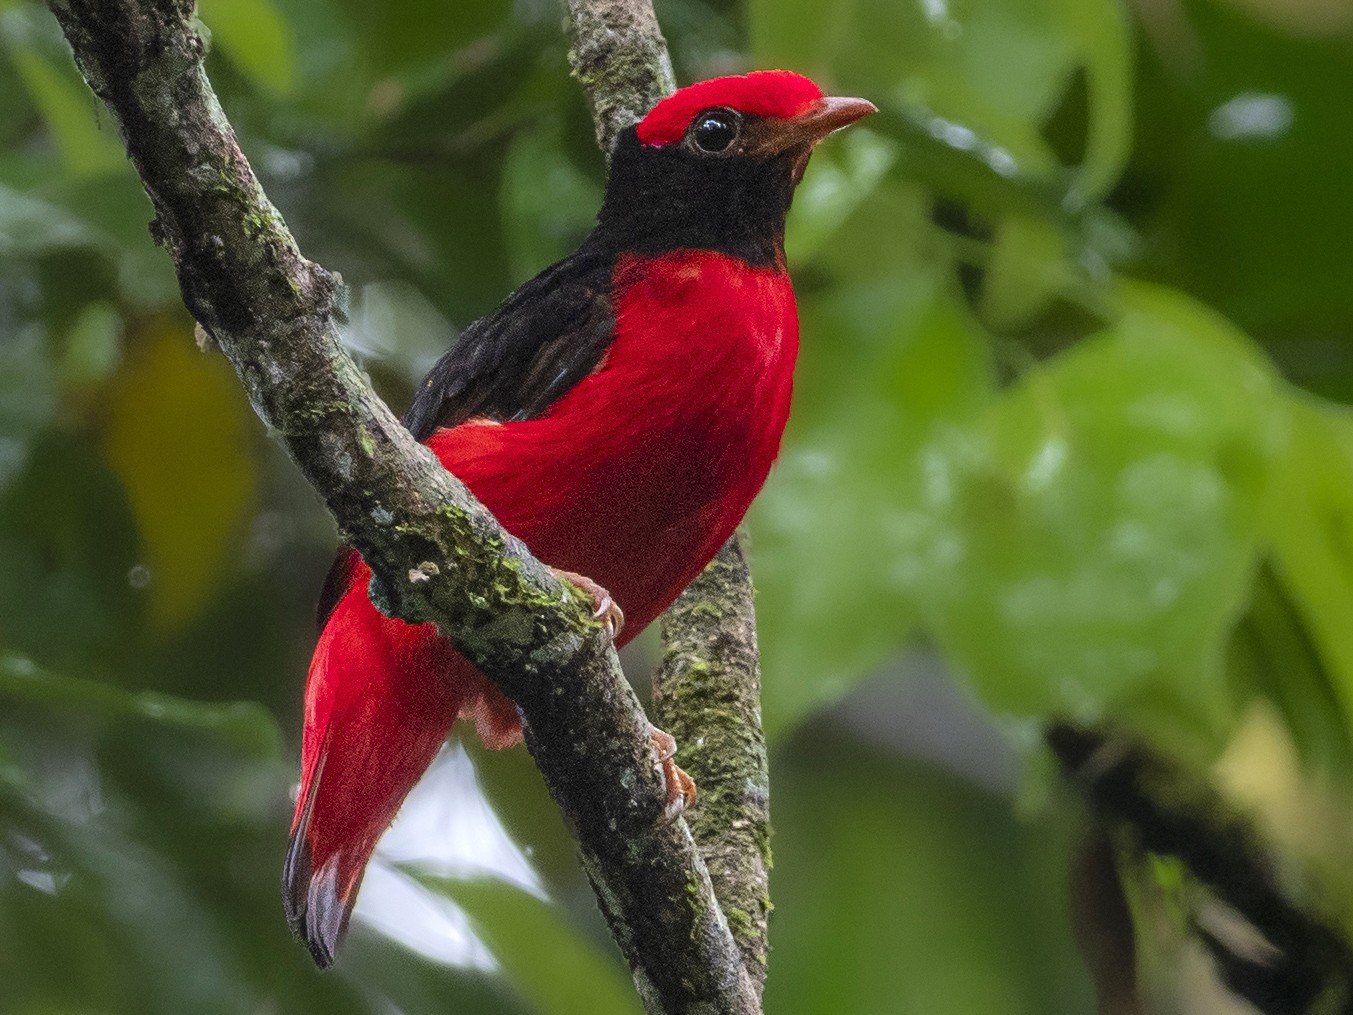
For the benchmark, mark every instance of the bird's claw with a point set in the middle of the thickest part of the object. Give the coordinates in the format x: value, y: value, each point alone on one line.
x: 679, y: 787
x: 605, y: 610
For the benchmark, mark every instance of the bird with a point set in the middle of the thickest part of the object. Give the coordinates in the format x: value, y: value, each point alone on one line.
x: 617, y: 413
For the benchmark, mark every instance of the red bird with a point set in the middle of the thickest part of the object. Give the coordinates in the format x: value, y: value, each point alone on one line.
x: 617, y: 413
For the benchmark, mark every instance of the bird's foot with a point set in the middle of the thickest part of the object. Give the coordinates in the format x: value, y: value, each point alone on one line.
x: 680, y: 787
x: 604, y: 609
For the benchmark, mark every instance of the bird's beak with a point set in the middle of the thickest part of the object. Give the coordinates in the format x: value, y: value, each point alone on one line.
x: 824, y: 117
x: 798, y: 135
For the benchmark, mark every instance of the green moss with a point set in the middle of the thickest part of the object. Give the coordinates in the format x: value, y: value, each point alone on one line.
x: 740, y: 922
x: 365, y: 439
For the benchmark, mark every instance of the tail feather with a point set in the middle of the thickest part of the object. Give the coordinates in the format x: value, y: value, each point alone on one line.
x: 316, y: 912
x: 380, y: 699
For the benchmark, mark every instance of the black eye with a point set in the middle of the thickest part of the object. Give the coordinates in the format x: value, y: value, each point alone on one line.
x: 715, y: 130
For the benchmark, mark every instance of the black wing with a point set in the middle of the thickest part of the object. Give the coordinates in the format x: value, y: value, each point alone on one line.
x: 513, y: 364
x: 517, y: 361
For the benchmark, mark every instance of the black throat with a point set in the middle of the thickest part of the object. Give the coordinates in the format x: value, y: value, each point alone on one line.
x: 668, y: 198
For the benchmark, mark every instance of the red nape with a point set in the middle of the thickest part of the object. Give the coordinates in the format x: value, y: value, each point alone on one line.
x: 774, y: 93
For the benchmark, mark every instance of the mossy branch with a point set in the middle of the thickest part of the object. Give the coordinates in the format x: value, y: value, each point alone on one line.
x: 437, y: 554
x: 619, y: 56
x: 707, y: 694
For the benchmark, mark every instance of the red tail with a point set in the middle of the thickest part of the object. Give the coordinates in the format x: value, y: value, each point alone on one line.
x: 383, y: 694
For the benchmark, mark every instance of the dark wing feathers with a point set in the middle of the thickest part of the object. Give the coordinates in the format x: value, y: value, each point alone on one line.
x: 336, y: 584
x: 514, y: 363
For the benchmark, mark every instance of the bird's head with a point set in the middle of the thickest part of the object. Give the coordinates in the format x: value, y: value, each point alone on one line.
x: 714, y: 165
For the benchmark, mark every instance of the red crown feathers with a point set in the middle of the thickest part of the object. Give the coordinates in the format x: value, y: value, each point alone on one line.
x: 774, y: 93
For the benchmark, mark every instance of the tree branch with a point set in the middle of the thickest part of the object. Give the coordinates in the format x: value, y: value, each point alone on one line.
x: 707, y: 694
x: 619, y: 56
x: 437, y: 554
x: 1153, y: 804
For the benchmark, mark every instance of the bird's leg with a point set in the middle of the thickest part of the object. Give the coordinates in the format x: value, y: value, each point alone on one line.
x: 604, y: 608
x: 680, y: 787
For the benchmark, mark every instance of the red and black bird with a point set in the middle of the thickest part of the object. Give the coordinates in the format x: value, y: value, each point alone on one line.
x: 617, y: 413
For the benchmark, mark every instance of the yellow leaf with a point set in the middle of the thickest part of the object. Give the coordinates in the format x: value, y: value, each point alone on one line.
x: 178, y: 435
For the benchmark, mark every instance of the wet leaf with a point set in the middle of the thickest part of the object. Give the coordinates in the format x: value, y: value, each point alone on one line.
x: 1091, y: 538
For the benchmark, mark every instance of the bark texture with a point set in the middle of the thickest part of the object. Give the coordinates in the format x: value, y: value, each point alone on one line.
x: 619, y: 56
x: 707, y: 694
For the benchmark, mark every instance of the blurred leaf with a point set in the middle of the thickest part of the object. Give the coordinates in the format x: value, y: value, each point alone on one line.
x: 1300, y: 17
x: 1027, y: 267
x: 30, y: 225
x: 257, y: 38
x: 117, y: 213
x: 395, y: 978
x: 828, y: 532
x: 844, y: 177
x: 89, y: 145
x: 545, y: 959
x: 1274, y: 656
x: 1237, y: 183
x: 1090, y: 540
x: 1308, y: 523
x: 93, y: 345
x: 548, y: 205
x: 27, y: 394
x: 990, y: 71
x: 67, y: 545
x: 244, y: 725
x: 179, y: 435
x: 899, y: 889
x: 1104, y: 43
x: 400, y: 34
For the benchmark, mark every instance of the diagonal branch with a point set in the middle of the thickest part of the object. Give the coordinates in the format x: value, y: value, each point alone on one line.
x: 437, y: 554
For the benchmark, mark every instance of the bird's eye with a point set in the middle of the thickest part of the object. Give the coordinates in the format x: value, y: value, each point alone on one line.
x: 715, y: 130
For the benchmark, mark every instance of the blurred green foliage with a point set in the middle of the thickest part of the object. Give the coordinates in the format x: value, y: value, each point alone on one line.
x: 1071, y: 417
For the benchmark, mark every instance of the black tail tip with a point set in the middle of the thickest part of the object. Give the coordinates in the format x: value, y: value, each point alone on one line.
x: 316, y: 913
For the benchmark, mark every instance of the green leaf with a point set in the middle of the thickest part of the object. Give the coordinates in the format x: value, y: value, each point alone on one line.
x: 27, y: 396
x: 257, y: 38
x: 828, y: 532
x: 988, y: 72
x: 245, y: 725
x: 1241, y: 170
x: 844, y: 176
x: 67, y: 546
x: 30, y: 225
x: 1104, y: 47
x: 86, y: 137
x: 1308, y: 526
x: 1088, y: 542
x: 545, y: 959
x: 93, y: 346
x: 548, y: 205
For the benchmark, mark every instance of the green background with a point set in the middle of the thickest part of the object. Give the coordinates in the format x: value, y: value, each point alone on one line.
x: 1070, y: 439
